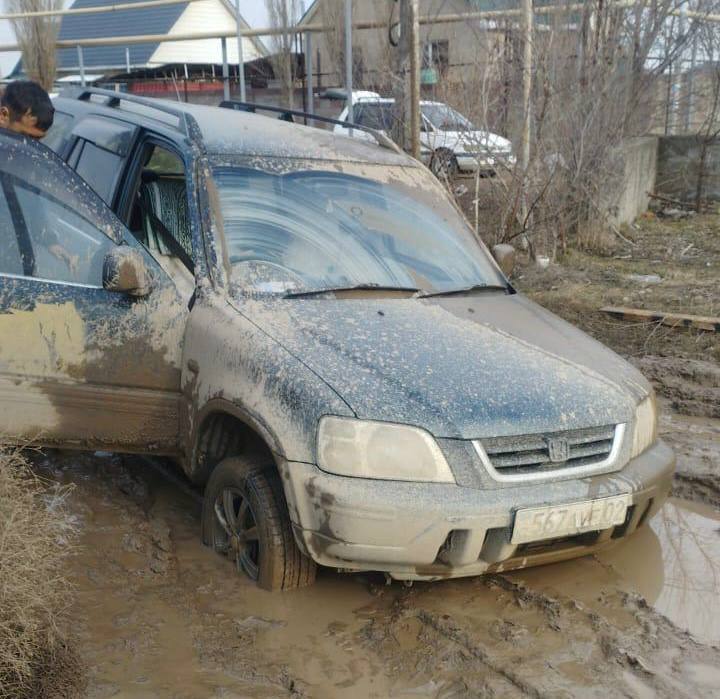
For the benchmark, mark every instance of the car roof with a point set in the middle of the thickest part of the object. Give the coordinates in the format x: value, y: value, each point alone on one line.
x: 230, y: 133
x: 391, y: 100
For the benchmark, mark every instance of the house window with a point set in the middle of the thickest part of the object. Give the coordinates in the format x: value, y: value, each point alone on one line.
x: 436, y: 54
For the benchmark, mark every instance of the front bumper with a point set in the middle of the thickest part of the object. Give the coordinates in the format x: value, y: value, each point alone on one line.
x: 428, y: 531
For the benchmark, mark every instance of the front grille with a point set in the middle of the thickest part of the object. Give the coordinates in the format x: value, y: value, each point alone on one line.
x: 538, y: 453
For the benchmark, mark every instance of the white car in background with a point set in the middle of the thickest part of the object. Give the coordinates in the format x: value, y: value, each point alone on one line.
x: 449, y: 142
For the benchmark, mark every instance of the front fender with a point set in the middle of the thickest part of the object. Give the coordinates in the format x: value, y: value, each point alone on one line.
x: 231, y: 365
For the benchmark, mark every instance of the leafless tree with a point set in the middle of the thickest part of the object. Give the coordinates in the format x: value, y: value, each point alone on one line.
x: 332, y: 14
x: 596, y: 77
x: 284, y: 13
x: 37, y: 37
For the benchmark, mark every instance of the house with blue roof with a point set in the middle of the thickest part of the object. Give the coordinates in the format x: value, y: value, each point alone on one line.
x: 169, y: 20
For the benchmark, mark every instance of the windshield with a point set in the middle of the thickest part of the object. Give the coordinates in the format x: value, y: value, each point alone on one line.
x: 446, y: 118
x: 312, y: 230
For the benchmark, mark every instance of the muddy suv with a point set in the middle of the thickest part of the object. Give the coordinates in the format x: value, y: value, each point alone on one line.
x: 308, y: 326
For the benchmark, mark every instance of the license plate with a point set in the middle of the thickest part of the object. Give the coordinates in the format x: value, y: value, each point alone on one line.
x: 538, y: 523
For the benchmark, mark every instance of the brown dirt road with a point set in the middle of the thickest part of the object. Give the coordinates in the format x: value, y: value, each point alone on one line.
x: 160, y: 616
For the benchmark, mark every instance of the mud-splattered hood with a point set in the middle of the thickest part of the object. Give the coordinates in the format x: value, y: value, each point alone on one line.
x: 459, y: 367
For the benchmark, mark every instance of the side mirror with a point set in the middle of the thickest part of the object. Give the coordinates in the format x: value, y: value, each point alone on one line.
x: 505, y: 257
x: 125, y: 271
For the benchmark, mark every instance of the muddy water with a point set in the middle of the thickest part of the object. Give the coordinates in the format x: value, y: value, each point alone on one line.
x: 675, y: 565
x: 160, y: 616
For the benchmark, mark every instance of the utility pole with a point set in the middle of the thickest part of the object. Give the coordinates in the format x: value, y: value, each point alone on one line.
x: 241, y: 60
x: 527, y: 10
x: 407, y: 93
x: 225, y: 69
x: 81, y: 64
x: 310, y: 106
x: 414, y: 33
x: 349, y: 60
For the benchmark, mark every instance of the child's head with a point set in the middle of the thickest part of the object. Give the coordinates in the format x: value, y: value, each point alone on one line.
x: 26, y: 108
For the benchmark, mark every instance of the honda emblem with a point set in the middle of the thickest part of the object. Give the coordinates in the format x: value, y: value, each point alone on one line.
x: 558, y: 449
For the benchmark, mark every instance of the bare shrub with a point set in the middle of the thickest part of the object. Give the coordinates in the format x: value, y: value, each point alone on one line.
x: 37, y: 37
x: 36, y: 659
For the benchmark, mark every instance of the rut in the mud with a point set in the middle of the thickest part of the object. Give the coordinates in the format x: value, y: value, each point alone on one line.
x: 696, y: 442
x: 164, y: 617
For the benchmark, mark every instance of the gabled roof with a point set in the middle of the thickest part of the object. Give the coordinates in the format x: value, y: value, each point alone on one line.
x: 208, y: 15
x: 310, y: 13
x: 153, y: 20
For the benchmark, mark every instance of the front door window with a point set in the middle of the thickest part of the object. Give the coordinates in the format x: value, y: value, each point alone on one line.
x: 50, y: 237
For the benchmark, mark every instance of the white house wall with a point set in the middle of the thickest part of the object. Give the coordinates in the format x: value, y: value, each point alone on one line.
x: 203, y: 16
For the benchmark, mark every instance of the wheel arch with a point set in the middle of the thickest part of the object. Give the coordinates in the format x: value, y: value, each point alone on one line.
x: 224, y: 429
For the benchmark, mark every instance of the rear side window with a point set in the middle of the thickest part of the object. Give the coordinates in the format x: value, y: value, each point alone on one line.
x: 58, y: 134
x: 100, y: 169
x: 100, y: 153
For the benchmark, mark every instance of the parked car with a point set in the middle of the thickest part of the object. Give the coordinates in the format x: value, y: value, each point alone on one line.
x: 450, y: 143
x: 310, y: 329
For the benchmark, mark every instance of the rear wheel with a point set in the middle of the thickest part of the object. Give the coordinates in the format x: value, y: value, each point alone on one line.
x: 245, y: 516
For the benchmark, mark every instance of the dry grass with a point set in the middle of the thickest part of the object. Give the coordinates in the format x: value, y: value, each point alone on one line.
x: 684, y: 254
x: 36, y: 534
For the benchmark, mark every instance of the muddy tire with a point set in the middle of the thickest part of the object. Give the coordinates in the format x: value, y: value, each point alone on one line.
x: 245, y: 516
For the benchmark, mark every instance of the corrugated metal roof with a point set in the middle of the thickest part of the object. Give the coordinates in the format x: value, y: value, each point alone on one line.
x: 152, y: 20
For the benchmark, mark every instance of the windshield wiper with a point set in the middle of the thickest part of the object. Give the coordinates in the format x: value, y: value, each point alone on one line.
x: 466, y: 290
x: 356, y: 287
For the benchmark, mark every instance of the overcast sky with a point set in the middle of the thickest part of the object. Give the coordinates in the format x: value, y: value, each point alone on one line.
x: 253, y: 10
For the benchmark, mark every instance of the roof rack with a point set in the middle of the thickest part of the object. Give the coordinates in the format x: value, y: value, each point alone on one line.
x: 288, y: 114
x: 114, y: 100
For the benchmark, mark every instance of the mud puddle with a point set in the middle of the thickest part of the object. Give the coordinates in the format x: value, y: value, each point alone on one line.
x: 161, y: 616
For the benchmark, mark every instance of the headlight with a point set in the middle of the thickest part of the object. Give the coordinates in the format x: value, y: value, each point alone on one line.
x: 384, y: 450
x: 645, y: 426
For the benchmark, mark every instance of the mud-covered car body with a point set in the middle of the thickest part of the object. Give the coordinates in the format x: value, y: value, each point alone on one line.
x: 489, y: 408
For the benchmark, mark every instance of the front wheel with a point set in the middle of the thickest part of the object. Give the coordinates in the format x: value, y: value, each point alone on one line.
x: 245, y: 516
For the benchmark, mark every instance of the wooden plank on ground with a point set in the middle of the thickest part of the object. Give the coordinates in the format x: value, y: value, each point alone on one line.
x: 682, y: 320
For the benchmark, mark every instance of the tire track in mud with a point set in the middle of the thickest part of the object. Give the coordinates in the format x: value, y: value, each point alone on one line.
x: 548, y: 645
x: 629, y: 648
x: 455, y: 633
